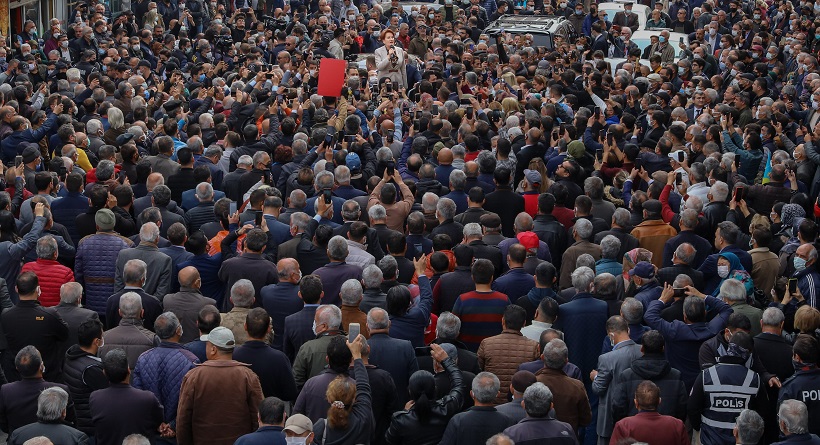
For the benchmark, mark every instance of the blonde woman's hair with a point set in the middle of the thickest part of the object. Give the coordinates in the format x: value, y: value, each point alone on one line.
x: 509, y: 105
x: 340, y: 393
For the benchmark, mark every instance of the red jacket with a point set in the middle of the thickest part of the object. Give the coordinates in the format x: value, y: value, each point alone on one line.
x: 52, y: 275
x: 652, y: 428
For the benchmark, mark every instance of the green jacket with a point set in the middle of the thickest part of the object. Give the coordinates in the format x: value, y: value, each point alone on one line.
x: 312, y: 357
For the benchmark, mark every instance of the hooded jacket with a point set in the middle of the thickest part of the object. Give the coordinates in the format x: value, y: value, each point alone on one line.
x: 656, y: 368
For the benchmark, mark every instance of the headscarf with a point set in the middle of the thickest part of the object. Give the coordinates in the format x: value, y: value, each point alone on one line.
x: 789, y: 213
x: 634, y: 257
x: 736, y: 271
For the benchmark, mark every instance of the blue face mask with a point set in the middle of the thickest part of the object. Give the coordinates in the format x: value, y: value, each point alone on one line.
x: 799, y: 264
x: 147, y: 94
x: 201, y: 78
x: 662, y: 39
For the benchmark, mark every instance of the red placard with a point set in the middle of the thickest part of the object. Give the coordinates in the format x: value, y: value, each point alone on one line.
x: 331, y: 76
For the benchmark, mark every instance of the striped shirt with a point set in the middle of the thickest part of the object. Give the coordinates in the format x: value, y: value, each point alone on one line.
x: 480, y: 314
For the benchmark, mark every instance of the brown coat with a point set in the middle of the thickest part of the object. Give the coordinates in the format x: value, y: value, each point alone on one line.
x: 218, y: 402
x: 352, y: 314
x: 571, y: 256
x: 502, y: 354
x: 569, y: 397
x: 765, y: 268
x: 652, y: 236
x: 396, y: 212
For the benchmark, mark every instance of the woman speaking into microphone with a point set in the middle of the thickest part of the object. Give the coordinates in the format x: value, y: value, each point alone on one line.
x: 391, y: 60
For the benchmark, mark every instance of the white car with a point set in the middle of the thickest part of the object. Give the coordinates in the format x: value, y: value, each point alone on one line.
x: 611, y: 8
x: 642, y: 39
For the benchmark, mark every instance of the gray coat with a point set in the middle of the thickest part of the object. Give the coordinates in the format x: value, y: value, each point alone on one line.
x: 74, y: 316
x: 610, y: 365
x: 186, y: 305
x: 158, y: 278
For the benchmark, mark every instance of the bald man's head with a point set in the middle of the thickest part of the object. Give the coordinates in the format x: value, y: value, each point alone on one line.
x: 188, y: 277
x: 154, y: 179
x: 445, y: 156
x: 288, y: 270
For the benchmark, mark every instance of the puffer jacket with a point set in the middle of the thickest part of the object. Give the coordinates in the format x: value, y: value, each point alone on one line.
x: 656, y: 368
x: 502, y: 354
x: 160, y: 370
x: 52, y: 275
x: 406, y: 428
x: 83, y: 374
x: 95, y: 266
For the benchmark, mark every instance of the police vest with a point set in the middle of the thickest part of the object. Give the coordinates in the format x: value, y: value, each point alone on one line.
x: 728, y: 390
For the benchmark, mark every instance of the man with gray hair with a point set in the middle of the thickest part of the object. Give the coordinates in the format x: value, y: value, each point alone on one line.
x: 337, y: 271
x: 583, y: 321
x: 482, y: 421
x: 129, y: 335
x: 161, y: 369
x: 682, y: 260
x: 52, y: 274
x: 793, y: 416
x: 71, y: 295
x: 689, y: 221
x: 394, y: 355
x: 445, y: 212
x: 158, y: 264
x: 448, y: 329
x: 539, y: 426
x: 570, y: 402
x: 203, y: 212
x: 311, y: 358
x: 52, y: 405
x: 580, y: 233
x: 774, y: 351
x: 351, y: 296
x: 749, y: 428
x: 733, y: 293
x: 373, y: 296
x: 243, y: 298
x: 134, y: 275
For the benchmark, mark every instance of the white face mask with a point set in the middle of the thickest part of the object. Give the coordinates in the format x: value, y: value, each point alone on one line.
x: 723, y: 271
x: 295, y: 440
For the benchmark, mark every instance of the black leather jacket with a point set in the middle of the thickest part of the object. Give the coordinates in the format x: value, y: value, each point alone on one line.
x: 406, y: 428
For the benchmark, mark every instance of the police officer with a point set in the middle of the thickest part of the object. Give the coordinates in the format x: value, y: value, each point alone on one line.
x: 725, y: 389
x: 804, y: 385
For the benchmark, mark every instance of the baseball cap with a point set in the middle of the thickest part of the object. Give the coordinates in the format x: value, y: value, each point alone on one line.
x: 576, y: 149
x: 222, y: 337
x: 298, y: 424
x: 528, y: 239
x: 353, y: 162
x: 643, y: 269
x: 105, y: 219
x: 533, y: 176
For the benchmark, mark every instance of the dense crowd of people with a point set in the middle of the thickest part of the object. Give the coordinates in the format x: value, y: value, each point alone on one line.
x: 475, y: 240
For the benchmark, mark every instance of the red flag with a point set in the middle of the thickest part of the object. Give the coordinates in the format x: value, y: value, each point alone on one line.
x: 331, y: 76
